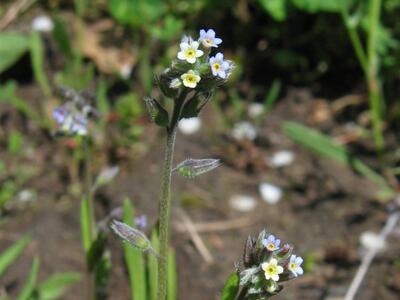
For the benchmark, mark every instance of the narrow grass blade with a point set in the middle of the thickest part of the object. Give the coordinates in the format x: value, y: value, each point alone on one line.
x: 153, y: 266
x: 85, y: 225
x: 30, y: 284
x: 55, y: 286
x: 37, y: 57
x: 12, y: 253
x: 172, y: 278
x: 272, y: 95
x: 325, y: 146
x: 134, y: 260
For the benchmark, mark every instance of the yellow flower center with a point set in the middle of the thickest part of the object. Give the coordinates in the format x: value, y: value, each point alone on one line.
x: 217, y: 66
x: 190, y: 53
x: 208, y: 41
x: 271, y: 246
x: 191, y: 78
x: 293, y: 266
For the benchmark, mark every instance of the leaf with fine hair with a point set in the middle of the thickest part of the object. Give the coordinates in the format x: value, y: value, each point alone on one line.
x: 55, y: 286
x: 157, y: 113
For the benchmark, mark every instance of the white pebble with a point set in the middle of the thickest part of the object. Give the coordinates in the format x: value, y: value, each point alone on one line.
x: 243, y: 203
x: 189, y: 126
x: 255, y: 110
x: 42, y: 23
x: 281, y: 159
x: 244, y: 130
x: 370, y: 240
x: 270, y: 193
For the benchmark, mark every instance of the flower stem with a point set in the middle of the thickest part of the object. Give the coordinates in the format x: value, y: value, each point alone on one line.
x: 165, y: 199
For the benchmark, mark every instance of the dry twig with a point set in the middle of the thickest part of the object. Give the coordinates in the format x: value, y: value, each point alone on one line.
x: 14, y: 10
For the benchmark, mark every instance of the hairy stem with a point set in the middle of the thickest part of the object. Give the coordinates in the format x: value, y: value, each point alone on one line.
x: 165, y: 199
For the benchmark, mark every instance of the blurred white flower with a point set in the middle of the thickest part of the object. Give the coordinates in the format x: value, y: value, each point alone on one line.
x: 189, y: 126
x: 244, y: 130
x: 270, y: 193
x: 42, y: 23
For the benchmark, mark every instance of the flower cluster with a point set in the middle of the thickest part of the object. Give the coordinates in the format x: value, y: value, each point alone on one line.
x: 72, y: 116
x: 266, y: 265
x: 194, y: 67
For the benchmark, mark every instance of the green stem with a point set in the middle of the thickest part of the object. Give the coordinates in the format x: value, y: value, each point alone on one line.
x: 88, y: 181
x: 356, y: 42
x: 165, y: 199
x: 375, y: 95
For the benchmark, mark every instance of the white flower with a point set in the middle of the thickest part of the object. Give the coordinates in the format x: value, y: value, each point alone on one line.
x: 255, y: 110
x: 189, y: 51
x: 272, y: 269
x: 208, y: 38
x: 294, y: 265
x: 190, y: 79
x: 371, y: 240
x: 219, y: 66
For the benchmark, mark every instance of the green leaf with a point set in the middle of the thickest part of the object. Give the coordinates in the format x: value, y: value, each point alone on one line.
x: 85, y: 225
x: 61, y: 37
x: 172, y: 276
x: 272, y: 95
x: 37, y: 58
x: 29, y: 287
x: 136, y: 12
x: 325, y: 146
x: 157, y: 113
x: 231, y: 287
x: 276, y: 8
x: 12, y: 46
x: 134, y: 260
x: 12, y: 253
x: 152, y: 266
x: 15, y: 142
x: 313, y: 6
x: 55, y: 286
x: 193, y: 107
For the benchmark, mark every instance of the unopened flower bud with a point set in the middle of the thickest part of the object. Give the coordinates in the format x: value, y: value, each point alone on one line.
x: 191, y: 168
x: 134, y: 237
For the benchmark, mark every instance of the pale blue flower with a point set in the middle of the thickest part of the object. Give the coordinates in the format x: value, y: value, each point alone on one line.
x: 294, y: 265
x: 70, y: 121
x: 208, y: 39
x: 271, y: 243
x: 141, y: 221
x: 219, y: 66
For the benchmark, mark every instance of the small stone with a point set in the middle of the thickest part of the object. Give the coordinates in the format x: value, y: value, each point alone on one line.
x: 370, y: 240
x: 243, y: 203
x: 244, y: 130
x: 42, y: 23
x: 281, y: 159
x: 270, y: 193
x: 189, y: 126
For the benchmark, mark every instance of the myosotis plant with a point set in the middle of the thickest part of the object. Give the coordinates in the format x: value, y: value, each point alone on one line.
x: 190, y: 81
